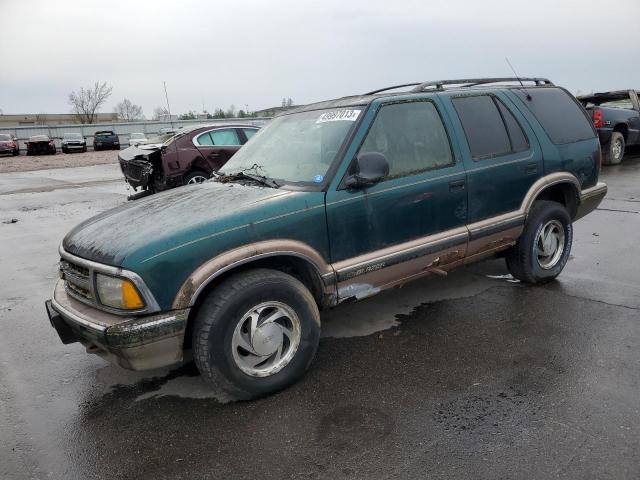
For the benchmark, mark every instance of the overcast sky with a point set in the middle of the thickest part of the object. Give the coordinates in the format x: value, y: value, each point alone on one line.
x: 218, y: 53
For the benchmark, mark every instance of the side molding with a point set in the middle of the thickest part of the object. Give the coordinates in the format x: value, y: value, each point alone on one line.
x: 208, y: 271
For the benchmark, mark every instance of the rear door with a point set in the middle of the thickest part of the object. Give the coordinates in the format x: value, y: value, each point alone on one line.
x: 218, y: 146
x: 501, y: 154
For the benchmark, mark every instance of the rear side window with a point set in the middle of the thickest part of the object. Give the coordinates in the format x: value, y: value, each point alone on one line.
x: 225, y: 137
x: 411, y: 136
x: 483, y: 126
x: 559, y: 115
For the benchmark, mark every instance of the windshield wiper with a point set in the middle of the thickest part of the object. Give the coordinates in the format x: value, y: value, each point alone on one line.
x: 242, y: 174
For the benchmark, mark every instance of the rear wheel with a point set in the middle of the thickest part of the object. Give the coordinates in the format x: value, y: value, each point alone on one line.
x: 16, y: 152
x: 256, y: 333
x: 543, y: 249
x: 195, y: 176
x: 614, y: 150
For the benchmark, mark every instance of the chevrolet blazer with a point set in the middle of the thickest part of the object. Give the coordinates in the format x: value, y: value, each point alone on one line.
x: 329, y: 203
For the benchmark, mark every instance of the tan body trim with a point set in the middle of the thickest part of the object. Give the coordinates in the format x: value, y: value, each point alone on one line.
x: 372, y: 272
x: 224, y: 262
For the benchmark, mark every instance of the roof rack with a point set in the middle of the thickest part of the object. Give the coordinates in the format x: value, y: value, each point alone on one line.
x: 465, y: 82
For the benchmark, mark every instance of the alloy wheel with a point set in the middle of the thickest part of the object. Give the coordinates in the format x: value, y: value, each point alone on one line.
x: 549, y: 244
x: 266, y: 339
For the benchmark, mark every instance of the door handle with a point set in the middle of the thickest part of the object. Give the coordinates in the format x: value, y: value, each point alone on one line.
x: 214, y: 154
x: 456, y: 186
x: 531, y: 168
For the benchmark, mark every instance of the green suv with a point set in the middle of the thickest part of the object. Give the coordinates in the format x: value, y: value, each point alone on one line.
x: 329, y: 203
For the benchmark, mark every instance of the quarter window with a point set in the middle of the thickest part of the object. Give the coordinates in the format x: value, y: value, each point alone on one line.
x: 411, y: 136
x: 205, y: 139
x: 558, y: 113
x: 249, y: 132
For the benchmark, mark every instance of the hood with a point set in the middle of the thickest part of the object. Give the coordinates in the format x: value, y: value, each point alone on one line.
x: 138, y: 151
x: 159, y: 223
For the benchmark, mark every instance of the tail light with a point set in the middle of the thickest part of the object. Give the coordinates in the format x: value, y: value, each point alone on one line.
x: 597, y: 118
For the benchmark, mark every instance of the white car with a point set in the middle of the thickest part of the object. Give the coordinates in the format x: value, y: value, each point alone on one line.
x: 136, y: 139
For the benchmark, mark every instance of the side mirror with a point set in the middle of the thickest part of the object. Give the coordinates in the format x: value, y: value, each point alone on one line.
x: 368, y: 169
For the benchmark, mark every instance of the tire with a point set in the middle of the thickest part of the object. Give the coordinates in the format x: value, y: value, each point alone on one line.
x: 223, y: 321
x: 64, y: 150
x: 525, y: 260
x: 613, y: 152
x: 193, y: 177
x: 84, y: 149
x: 16, y: 153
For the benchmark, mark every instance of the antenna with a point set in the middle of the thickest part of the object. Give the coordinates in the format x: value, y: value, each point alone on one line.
x: 518, y: 78
x: 168, y: 107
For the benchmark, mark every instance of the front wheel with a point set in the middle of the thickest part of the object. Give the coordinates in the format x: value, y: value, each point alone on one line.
x: 255, y: 334
x: 543, y: 249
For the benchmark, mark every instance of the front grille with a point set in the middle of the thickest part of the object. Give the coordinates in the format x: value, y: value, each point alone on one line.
x: 77, y: 281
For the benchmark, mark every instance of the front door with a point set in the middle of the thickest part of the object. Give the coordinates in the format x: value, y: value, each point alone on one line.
x: 410, y: 222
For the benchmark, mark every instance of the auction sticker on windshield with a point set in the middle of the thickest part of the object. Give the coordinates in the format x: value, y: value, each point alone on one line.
x: 339, y: 115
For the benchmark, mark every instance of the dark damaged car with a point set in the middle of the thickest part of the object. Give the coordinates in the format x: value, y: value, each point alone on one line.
x: 190, y: 156
x: 40, y: 145
x: 329, y: 203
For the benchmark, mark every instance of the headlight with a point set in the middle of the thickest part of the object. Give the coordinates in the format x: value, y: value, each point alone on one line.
x: 118, y: 293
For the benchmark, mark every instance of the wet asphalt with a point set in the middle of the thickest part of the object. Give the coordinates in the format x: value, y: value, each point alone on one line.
x: 468, y: 376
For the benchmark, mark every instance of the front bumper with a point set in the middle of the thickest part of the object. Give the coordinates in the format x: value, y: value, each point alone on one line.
x: 135, y: 342
x: 590, y: 198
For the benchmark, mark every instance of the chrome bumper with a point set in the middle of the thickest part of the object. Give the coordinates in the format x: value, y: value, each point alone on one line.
x: 135, y: 343
x: 590, y: 198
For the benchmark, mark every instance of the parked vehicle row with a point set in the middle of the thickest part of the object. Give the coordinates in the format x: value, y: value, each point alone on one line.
x: 329, y: 203
x: 76, y: 142
x: 616, y: 116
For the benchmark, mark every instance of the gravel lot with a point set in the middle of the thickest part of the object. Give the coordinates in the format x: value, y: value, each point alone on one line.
x: 22, y: 163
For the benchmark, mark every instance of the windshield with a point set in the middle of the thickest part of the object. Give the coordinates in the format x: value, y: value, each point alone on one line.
x: 4, y: 138
x: 295, y: 148
x: 137, y: 135
x: 72, y: 136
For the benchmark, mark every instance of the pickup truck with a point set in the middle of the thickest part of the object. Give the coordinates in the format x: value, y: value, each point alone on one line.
x: 616, y: 116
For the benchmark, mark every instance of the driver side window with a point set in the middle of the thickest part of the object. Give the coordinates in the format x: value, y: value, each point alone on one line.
x: 412, y: 138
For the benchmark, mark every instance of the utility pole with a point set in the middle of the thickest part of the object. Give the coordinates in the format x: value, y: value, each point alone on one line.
x: 168, y: 107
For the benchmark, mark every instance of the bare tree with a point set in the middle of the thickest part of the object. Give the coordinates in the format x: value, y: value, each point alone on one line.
x: 231, y: 112
x: 41, y: 118
x: 87, y: 101
x: 129, y: 112
x: 159, y: 112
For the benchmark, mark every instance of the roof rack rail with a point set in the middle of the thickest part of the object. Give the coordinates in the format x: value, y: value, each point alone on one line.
x: 465, y: 82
